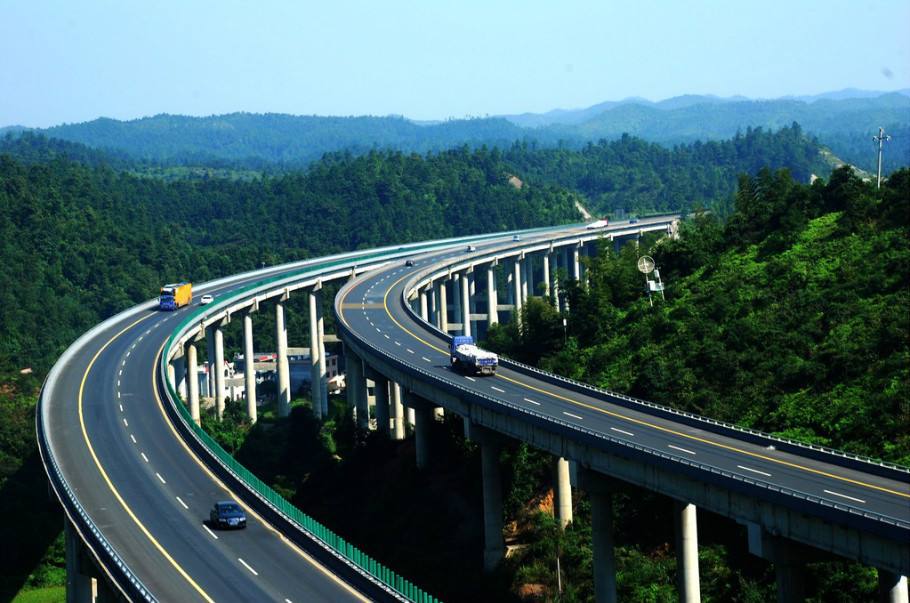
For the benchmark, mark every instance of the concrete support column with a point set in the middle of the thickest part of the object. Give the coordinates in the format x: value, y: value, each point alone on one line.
x: 353, y: 379
x: 546, y: 275
x: 397, y: 412
x: 562, y: 492
x: 602, y: 545
x: 892, y: 588
x: 555, y: 285
x: 218, y: 366
x: 193, y: 372
x: 381, y: 391
x: 492, y: 297
x: 790, y: 576
x: 315, y: 352
x: 456, y: 294
x: 284, y: 371
x: 443, y: 307
x: 465, y: 304
x: 249, y: 369
x: 424, y: 307
x: 79, y: 587
x: 516, y: 282
x: 493, y: 543
x: 686, y: 525
x: 525, y: 277
x: 323, y: 371
x: 423, y: 424
x: 576, y: 264
x: 210, y: 360
x: 434, y: 310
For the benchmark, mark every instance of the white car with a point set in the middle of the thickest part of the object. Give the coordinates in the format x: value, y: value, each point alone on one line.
x: 206, y: 299
x: 516, y: 237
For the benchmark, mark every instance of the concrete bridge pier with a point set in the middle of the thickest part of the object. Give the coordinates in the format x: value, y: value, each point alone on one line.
x: 545, y: 273
x: 562, y: 492
x: 492, y: 296
x: 193, y: 369
x: 381, y: 394
x: 178, y: 368
x: 600, y: 489
x: 424, y: 306
x: 892, y: 588
x: 284, y: 371
x: 434, y: 304
x: 356, y: 388
x: 423, y: 425
x: 218, y: 367
x: 443, y: 307
x: 494, y: 548
x: 317, y: 351
x: 84, y: 582
x: 516, y: 284
x: 396, y: 410
x: 555, y: 284
x: 686, y: 527
x: 465, y: 303
x: 249, y: 369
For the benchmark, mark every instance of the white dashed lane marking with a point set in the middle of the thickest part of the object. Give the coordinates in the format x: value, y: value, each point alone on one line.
x: 568, y: 414
x: 427, y: 359
x: 247, y: 566
x: 681, y: 449
x: 622, y: 431
x: 161, y: 479
x: 180, y: 500
x: 410, y: 351
x: 859, y: 500
x: 499, y: 389
x: 754, y: 470
x: 132, y: 437
x: 125, y: 423
x: 144, y: 458
x: 470, y: 378
x: 532, y: 401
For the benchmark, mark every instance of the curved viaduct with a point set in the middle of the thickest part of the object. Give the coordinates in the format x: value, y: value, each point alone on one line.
x: 117, y: 425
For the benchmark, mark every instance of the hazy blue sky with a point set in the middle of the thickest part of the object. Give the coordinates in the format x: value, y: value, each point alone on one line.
x: 77, y: 60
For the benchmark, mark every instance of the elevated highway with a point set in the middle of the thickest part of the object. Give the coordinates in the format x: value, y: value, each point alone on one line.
x: 117, y: 426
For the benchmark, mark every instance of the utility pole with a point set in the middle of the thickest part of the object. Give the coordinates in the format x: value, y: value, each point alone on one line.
x: 881, y: 139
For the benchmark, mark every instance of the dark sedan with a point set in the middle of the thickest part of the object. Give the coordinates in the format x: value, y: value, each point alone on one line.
x: 227, y: 514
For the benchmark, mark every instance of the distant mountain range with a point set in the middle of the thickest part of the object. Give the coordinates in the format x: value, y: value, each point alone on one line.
x: 269, y: 140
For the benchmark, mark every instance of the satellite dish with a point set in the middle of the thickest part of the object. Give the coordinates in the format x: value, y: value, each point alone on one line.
x: 645, y: 264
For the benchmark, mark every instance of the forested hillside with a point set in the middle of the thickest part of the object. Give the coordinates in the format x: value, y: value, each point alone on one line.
x: 281, y: 142
x: 631, y: 175
x: 260, y: 139
x: 81, y: 243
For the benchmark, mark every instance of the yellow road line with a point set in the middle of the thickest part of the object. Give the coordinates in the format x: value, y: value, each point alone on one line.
x: 110, y: 484
x: 642, y: 422
x: 238, y: 499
